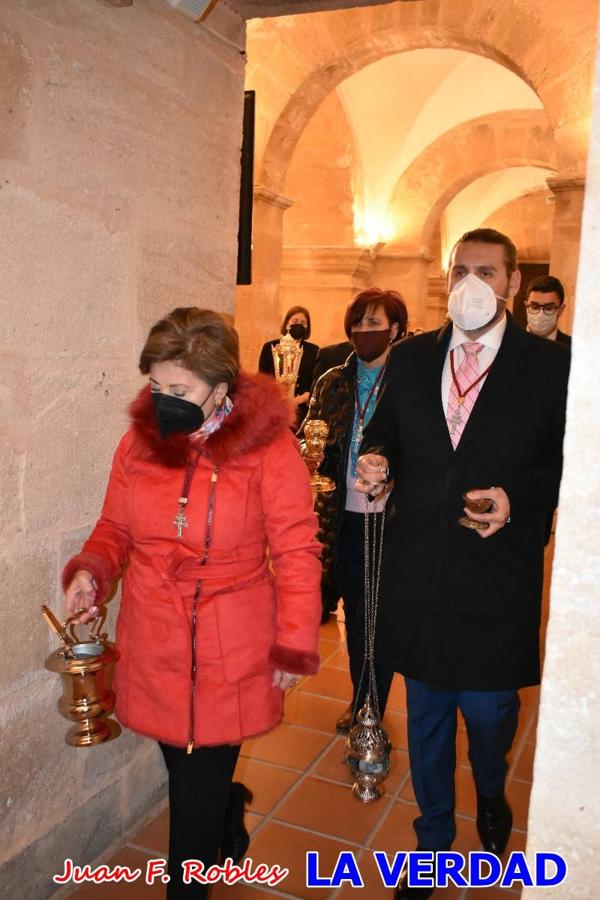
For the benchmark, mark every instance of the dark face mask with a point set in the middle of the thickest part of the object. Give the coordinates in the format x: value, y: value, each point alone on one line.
x: 370, y: 344
x: 176, y: 414
x: 298, y: 331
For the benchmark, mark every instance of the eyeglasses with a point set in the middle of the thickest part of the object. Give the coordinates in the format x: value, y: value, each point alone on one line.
x: 548, y: 308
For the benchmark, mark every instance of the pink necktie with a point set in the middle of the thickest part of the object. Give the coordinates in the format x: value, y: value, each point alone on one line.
x: 459, y: 410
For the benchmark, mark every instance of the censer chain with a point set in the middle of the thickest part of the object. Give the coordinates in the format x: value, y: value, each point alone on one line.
x: 373, y: 553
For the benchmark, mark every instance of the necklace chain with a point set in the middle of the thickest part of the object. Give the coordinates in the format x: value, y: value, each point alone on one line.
x: 460, y: 393
x: 180, y: 521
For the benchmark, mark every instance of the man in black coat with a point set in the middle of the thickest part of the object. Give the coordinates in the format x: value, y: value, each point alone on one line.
x: 545, y: 304
x: 459, y: 613
x: 330, y: 356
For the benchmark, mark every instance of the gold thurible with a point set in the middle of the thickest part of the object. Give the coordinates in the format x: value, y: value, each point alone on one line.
x: 315, y: 438
x: 287, y: 354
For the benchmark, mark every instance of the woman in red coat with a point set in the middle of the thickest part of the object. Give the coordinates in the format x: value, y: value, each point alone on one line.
x: 208, y: 514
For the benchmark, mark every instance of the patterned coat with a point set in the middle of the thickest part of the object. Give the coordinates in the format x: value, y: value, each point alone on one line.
x: 333, y: 401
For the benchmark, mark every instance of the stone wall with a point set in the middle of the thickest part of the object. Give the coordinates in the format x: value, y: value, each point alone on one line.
x: 528, y: 220
x: 564, y: 813
x: 120, y: 133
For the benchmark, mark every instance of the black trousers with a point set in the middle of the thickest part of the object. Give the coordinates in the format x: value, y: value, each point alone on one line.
x: 349, y: 577
x: 199, y: 786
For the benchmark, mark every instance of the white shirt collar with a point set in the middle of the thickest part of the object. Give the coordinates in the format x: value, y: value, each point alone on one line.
x: 491, y: 338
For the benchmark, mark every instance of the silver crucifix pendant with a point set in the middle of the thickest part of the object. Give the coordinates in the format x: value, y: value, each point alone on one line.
x: 454, y: 421
x: 180, y: 522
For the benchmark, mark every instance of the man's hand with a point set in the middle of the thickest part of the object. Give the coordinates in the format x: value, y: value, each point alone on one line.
x: 372, y: 474
x: 499, y: 513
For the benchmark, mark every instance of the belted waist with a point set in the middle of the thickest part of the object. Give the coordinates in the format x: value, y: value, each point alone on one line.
x: 183, y: 568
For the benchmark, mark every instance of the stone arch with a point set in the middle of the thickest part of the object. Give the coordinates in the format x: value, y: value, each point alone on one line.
x: 560, y: 76
x: 454, y: 160
x: 311, y: 93
x: 297, y: 66
x: 461, y: 183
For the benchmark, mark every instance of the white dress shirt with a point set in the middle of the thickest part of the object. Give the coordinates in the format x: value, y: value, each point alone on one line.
x: 491, y: 341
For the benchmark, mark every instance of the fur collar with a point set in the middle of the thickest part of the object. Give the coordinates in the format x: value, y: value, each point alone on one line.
x: 260, y: 413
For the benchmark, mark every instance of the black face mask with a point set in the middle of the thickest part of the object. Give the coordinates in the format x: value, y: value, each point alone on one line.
x: 298, y: 331
x: 371, y: 344
x: 176, y: 414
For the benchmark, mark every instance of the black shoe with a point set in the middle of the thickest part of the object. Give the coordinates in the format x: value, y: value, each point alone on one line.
x: 404, y: 892
x: 344, y: 723
x: 494, y: 823
x: 235, y: 840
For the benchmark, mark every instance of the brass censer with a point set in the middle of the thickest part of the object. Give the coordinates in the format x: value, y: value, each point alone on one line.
x: 83, y: 667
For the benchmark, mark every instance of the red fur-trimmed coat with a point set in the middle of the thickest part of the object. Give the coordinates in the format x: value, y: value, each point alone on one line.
x: 251, y: 617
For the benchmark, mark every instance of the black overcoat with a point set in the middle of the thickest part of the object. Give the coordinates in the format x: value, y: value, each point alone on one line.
x: 459, y: 612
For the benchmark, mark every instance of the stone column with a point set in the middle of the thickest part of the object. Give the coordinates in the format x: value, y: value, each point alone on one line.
x: 324, y: 279
x: 257, y: 315
x: 407, y: 273
x: 437, y: 303
x: 566, y: 236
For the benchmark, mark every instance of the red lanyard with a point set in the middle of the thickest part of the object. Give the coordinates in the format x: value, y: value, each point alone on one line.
x: 362, y: 411
x: 463, y: 394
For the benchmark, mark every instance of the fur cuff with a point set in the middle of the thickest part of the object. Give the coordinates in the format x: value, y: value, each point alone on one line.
x: 93, y: 564
x: 297, y: 662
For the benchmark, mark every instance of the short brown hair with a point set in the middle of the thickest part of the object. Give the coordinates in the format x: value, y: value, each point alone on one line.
x: 491, y: 236
x: 294, y: 310
x: 391, y: 301
x: 199, y: 340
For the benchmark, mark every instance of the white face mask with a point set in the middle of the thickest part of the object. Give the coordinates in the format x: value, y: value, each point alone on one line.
x: 472, y: 303
x: 541, y: 324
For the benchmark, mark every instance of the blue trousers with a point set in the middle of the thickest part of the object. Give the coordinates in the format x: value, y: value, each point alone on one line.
x: 491, y: 719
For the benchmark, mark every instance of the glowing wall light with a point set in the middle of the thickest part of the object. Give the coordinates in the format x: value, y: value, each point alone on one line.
x: 371, y: 225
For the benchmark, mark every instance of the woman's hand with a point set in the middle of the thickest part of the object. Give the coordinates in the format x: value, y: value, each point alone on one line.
x: 372, y: 474
x: 285, y: 680
x: 80, y: 596
x: 302, y: 398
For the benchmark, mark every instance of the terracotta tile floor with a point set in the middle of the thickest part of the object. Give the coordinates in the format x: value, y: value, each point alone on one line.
x: 302, y: 798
